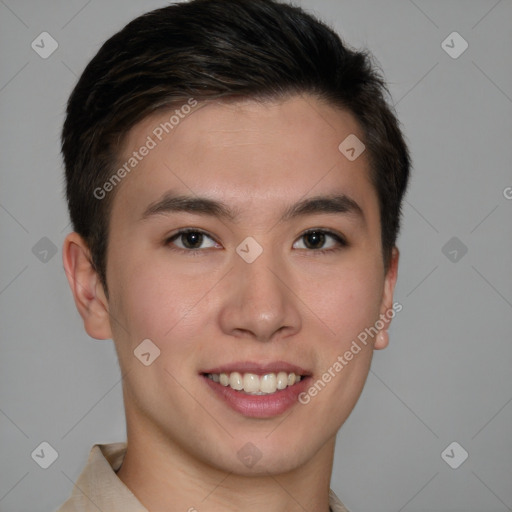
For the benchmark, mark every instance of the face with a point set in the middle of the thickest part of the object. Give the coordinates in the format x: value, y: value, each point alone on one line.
x: 264, y: 284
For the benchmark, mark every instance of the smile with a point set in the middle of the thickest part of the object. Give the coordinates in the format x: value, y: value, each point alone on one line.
x: 254, y: 384
x: 257, y: 390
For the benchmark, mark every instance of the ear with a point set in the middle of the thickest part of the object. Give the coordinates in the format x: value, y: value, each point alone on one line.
x: 90, y: 299
x: 382, y: 338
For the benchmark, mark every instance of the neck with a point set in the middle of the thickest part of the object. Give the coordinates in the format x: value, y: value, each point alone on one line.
x: 164, y: 477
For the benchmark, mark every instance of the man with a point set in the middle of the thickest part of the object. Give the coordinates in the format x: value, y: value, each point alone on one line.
x: 234, y: 178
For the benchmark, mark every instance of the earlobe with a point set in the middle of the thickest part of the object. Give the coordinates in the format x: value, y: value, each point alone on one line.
x: 85, y: 284
x: 382, y: 338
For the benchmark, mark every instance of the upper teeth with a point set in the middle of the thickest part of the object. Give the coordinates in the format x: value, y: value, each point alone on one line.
x: 254, y: 384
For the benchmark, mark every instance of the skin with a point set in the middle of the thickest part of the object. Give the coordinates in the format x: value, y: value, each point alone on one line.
x: 211, y: 307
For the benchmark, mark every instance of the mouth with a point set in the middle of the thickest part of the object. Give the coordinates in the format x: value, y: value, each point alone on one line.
x: 253, y: 384
x: 258, y: 391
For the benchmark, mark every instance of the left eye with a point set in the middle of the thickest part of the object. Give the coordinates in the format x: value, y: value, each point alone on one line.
x: 315, y: 240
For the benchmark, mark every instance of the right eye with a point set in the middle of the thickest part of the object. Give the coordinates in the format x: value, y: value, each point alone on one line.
x: 191, y: 240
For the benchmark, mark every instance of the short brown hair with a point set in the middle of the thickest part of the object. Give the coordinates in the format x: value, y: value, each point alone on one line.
x: 208, y: 49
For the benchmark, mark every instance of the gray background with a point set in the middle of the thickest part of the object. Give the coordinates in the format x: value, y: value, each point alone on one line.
x: 447, y: 374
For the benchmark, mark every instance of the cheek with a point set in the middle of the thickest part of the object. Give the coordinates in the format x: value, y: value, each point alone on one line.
x: 350, y: 305
x: 149, y: 303
x: 350, y: 302
x: 155, y: 304
x: 152, y: 302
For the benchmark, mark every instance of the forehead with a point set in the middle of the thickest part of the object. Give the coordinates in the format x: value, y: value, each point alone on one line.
x: 253, y: 155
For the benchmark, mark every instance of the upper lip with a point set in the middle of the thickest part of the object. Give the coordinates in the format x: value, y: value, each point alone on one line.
x: 258, y: 368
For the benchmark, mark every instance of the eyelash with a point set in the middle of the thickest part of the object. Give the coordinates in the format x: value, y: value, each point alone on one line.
x: 341, y: 242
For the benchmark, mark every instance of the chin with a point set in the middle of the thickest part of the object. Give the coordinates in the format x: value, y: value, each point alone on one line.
x: 259, y: 455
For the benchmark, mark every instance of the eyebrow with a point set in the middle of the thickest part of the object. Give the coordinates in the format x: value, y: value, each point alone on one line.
x: 336, y: 203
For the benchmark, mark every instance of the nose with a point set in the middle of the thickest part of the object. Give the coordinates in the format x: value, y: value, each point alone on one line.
x: 259, y: 302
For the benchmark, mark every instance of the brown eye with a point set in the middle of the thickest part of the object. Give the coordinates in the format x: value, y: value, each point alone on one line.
x: 190, y: 239
x: 316, y: 240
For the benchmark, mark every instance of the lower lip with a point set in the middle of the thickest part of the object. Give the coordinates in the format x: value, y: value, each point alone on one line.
x: 259, y: 406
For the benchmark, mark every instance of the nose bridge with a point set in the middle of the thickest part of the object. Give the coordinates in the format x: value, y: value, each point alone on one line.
x: 259, y: 303
x: 260, y: 278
